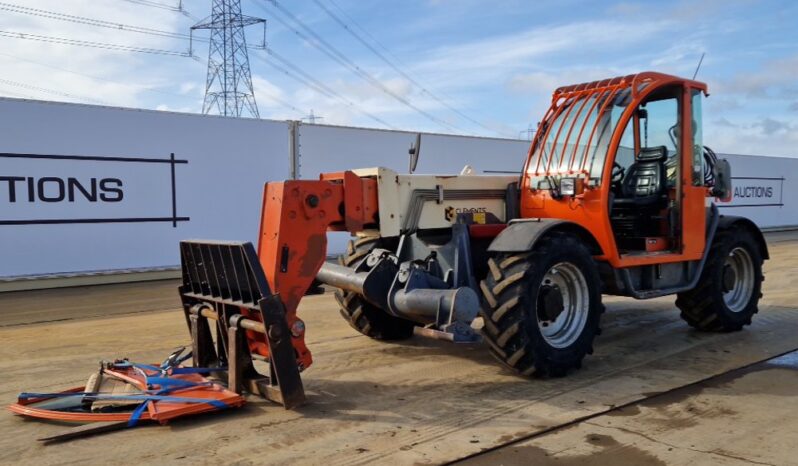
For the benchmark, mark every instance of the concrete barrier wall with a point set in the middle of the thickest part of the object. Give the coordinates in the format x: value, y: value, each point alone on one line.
x: 86, y: 188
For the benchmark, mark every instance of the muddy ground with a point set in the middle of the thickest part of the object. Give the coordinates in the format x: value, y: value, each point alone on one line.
x: 639, y: 399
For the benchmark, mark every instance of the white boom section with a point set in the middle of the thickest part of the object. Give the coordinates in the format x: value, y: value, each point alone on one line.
x: 408, y: 203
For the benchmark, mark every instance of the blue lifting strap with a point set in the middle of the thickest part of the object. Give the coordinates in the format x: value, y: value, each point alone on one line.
x: 146, y: 398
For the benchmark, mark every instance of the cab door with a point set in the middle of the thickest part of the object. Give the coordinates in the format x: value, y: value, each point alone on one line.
x: 646, y: 179
x: 693, y: 191
x: 667, y: 121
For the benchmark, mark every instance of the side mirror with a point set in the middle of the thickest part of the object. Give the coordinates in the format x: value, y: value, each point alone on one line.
x: 415, y: 149
x: 721, y: 171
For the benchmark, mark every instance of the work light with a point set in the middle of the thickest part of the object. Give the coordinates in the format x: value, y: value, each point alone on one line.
x: 567, y: 186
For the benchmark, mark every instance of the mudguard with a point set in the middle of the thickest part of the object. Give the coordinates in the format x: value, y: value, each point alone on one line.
x: 732, y: 221
x: 520, y: 236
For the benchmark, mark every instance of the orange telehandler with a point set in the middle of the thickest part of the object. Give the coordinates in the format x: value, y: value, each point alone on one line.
x: 615, y: 197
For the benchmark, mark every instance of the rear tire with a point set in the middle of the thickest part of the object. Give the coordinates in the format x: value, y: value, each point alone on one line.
x: 541, y: 309
x: 728, y: 292
x: 360, y: 314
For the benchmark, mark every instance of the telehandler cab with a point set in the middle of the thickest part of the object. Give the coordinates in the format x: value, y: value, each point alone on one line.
x: 615, y: 197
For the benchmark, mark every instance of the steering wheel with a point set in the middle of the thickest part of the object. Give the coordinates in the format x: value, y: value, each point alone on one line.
x: 617, y: 173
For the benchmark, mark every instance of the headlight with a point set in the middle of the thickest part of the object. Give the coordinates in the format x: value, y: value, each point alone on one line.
x: 567, y: 186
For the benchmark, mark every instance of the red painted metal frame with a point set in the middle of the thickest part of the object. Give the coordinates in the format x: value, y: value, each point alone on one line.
x: 292, y: 247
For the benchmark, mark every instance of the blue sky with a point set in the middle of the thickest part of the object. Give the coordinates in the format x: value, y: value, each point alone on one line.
x: 496, y: 62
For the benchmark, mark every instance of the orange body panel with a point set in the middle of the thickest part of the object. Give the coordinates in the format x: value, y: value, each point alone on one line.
x: 590, y: 209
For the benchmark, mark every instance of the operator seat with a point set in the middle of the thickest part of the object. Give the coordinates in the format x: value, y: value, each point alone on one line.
x: 643, y: 193
x: 645, y: 182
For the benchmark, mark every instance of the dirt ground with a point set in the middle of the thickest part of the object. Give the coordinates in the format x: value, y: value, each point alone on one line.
x: 742, y: 417
x: 655, y: 392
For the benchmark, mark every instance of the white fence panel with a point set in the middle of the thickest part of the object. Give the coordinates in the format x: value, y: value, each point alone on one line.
x: 93, y: 187
x: 87, y: 188
x: 762, y: 190
x: 335, y: 148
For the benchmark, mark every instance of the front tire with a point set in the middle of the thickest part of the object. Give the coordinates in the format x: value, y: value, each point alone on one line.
x: 360, y: 314
x: 541, y: 309
x: 728, y: 292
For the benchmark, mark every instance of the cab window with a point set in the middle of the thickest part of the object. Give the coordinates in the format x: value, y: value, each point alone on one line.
x: 659, y: 126
x: 698, y: 139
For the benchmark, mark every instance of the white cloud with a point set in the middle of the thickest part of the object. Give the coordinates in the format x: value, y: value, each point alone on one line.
x: 764, y: 136
x: 484, y: 60
x: 71, y: 69
x: 774, y: 79
x: 722, y: 121
x: 677, y: 54
x: 503, y: 79
x: 546, y: 82
x: 189, y: 88
x: 770, y: 126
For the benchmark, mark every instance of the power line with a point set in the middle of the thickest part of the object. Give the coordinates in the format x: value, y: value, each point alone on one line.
x: 344, y: 61
x: 305, y: 78
x: 284, y: 103
x: 88, y: 21
x: 362, y: 29
x: 49, y: 91
x: 296, y: 73
x: 333, y: 53
x: 19, y: 95
x: 85, y: 43
x: 95, y: 78
x: 143, y: 88
x: 312, y: 118
x: 390, y: 62
x: 104, y: 24
x: 299, y: 75
x: 527, y: 133
x: 154, y: 4
x: 157, y: 5
x: 177, y: 9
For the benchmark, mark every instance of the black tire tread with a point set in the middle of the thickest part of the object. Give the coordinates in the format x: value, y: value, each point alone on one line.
x: 360, y: 314
x: 702, y: 307
x: 506, y: 298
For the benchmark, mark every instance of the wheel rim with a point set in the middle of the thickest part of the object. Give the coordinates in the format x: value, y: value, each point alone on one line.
x: 563, y: 305
x: 738, y: 279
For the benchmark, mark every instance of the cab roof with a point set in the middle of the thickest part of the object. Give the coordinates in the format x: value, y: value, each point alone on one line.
x: 633, y: 80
